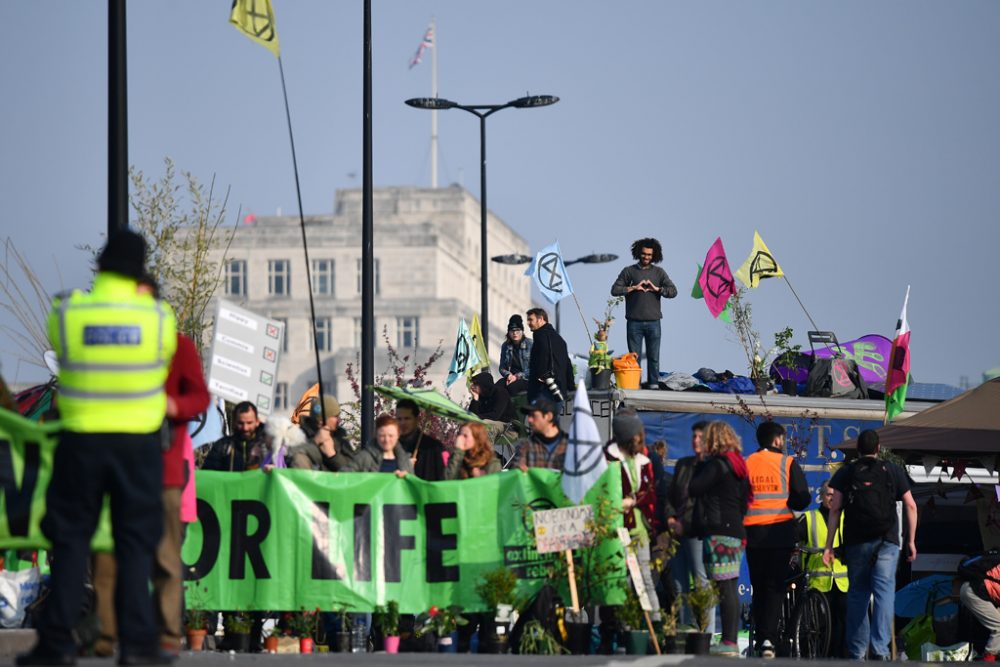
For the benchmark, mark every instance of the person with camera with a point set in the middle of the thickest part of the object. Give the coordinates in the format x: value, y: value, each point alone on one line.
x: 550, y: 370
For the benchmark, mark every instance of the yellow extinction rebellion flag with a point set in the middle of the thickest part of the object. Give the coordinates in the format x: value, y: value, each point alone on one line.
x: 760, y: 264
x: 255, y: 19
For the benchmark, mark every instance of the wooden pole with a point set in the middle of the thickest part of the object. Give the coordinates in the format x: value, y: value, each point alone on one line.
x: 652, y: 632
x: 570, y: 572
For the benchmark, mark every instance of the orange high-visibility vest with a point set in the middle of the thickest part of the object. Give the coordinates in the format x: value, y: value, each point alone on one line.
x: 769, y: 479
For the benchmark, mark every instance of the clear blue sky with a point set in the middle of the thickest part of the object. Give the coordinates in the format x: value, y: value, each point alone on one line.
x: 860, y: 138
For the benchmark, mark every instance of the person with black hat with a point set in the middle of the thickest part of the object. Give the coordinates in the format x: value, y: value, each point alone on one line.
x: 114, y: 347
x: 490, y: 400
x: 515, y: 357
x: 545, y: 446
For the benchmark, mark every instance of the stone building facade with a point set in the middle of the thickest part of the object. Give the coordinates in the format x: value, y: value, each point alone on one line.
x: 427, y: 265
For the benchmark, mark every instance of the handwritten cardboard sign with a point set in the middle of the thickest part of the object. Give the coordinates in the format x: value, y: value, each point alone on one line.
x: 564, y: 528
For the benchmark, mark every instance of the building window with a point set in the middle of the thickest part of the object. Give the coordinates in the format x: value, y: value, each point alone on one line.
x: 281, y: 396
x: 236, y: 278
x: 324, y: 334
x: 407, y: 332
x: 279, y: 276
x: 357, y: 332
x: 322, y: 277
x: 284, y: 332
x: 377, y: 281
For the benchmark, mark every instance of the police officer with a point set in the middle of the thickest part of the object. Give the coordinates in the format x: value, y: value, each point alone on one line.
x: 114, y: 348
x: 779, y: 486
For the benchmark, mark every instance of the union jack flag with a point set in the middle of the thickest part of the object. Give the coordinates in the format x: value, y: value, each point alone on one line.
x: 426, y: 43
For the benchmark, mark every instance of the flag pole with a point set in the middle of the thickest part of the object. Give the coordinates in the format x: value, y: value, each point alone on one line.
x: 802, y: 305
x: 434, y: 94
x: 580, y: 310
x: 305, y: 245
x: 367, y: 239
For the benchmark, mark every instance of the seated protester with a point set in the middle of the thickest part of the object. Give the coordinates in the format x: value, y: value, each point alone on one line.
x: 385, y: 455
x: 980, y: 594
x: 324, y: 437
x: 472, y: 455
x: 515, y: 357
x: 426, y: 452
x: 490, y: 401
x: 244, y: 449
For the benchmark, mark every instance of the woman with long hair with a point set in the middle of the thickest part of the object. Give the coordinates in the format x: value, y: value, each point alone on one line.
x: 721, y: 491
x: 473, y: 454
x: 384, y: 455
x: 515, y: 355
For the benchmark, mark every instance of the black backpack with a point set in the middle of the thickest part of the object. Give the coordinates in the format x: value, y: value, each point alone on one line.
x: 871, y: 499
x: 835, y: 377
x: 976, y: 567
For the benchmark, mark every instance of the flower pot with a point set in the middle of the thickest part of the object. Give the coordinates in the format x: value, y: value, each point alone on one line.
x: 344, y: 642
x: 578, y: 638
x: 271, y: 644
x: 305, y: 644
x: 196, y: 639
x: 600, y: 379
x: 668, y: 644
x: 636, y: 642
x: 239, y: 641
x: 790, y: 387
x: 698, y: 643
x: 448, y: 643
x: 391, y: 644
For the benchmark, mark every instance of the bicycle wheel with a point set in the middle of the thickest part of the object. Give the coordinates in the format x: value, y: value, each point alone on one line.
x: 810, y: 626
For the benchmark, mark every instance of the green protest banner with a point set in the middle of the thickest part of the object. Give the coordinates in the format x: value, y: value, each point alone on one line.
x: 26, y: 452
x: 295, y: 539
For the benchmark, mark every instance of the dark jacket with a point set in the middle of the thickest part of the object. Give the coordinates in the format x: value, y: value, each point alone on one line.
x: 369, y: 459
x: 430, y: 462
x: 681, y: 503
x: 720, y: 499
x: 661, y: 482
x: 782, y: 535
x: 493, y: 402
x: 523, y: 353
x: 234, y: 454
x: 549, y: 358
x: 457, y: 458
x: 643, y: 306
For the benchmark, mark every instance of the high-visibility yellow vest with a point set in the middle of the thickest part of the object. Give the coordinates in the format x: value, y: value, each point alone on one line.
x: 769, y: 479
x: 813, y: 563
x: 114, y: 348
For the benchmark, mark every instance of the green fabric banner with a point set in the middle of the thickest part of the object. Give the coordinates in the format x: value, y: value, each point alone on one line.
x: 294, y: 539
x: 26, y: 450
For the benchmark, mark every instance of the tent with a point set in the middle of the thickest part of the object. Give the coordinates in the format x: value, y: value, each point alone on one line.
x: 968, y: 424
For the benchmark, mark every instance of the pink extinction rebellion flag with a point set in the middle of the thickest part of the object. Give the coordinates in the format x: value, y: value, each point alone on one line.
x: 716, y: 279
x: 898, y: 377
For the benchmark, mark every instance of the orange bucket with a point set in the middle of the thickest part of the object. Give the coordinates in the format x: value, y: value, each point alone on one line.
x: 628, y: 373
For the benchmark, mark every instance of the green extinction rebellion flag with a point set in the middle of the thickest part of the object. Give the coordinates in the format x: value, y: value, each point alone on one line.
x: 297, y: 539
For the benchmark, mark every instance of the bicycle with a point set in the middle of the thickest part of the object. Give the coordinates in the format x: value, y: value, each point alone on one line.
x: 804, y: 625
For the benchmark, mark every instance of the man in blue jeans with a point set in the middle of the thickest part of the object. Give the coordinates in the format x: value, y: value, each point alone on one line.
x: 643, y: 285
x: 867, y: 491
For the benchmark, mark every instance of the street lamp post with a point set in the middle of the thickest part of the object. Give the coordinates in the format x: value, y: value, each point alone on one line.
x: 483, y: 111
x: 597, y: 258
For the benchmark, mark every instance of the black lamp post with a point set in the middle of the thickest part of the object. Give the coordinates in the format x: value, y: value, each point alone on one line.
x: 597, y: 258
x: 483, y: 111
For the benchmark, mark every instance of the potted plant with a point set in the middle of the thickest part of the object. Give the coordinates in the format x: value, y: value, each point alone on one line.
x: 701, y: 599
x: 669, y: 627
x: 271, y: 641
x: 599, y: 361
x: 536, y: 640
x: 632, y: 616
x: 238, y: 625
x: 788, y: 357
x: 443, y: 622
x: 496, y: 588
x: 386, y: 619
x: 304, y: 625
x: 344, y: 633
x: 197, y: 620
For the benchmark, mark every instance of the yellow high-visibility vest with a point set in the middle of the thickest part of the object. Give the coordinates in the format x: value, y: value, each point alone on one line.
x: 114, y: 348
x: 769, y: 472
x: 813, y: 563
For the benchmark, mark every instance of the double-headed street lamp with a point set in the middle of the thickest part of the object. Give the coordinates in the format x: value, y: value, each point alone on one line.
x: 597, y: 258
x: 483, y: 111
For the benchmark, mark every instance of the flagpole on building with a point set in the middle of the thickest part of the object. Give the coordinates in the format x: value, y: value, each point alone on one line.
x: 305, y: 245
x: 367, y: 241
x: 434, y: 113
x: 802, y: 305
